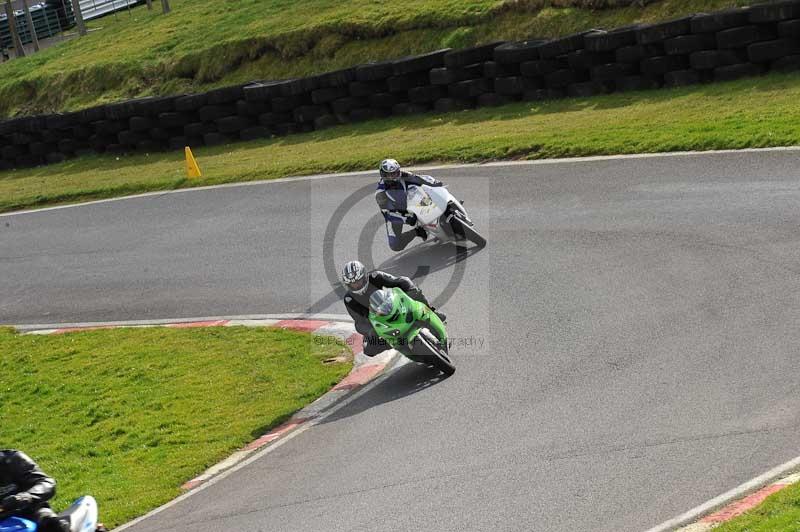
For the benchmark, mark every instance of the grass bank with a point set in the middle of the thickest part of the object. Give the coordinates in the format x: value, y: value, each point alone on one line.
x: 204, y: 44
x: 128, y: 415
x: 757, y: 112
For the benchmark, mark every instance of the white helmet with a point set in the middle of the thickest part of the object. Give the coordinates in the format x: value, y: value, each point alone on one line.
x: 390, y: 169
x: 354, y: 277
x: 381, y: 302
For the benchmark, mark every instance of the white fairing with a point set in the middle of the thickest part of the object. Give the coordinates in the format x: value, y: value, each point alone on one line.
x: 428, y: 204
x: 83, y: 514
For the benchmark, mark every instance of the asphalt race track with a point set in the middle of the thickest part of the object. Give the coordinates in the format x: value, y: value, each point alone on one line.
x: 628, y: 339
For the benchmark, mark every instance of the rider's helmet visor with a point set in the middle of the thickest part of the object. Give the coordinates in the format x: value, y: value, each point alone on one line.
x: 358, y: 284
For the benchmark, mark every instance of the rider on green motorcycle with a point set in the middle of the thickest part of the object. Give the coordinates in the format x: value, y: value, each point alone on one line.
x: 360, y: 286
x: 397, y: 318
x: 411, y: 327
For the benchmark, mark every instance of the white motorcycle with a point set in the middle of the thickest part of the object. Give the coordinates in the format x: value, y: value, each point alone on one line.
x: 82, y: 517
x: 441, y: 214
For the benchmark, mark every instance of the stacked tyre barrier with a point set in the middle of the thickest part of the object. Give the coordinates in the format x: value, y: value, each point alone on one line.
x: 701, y: 48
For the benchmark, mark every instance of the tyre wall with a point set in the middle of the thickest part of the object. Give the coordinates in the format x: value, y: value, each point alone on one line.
x: 701, y: 48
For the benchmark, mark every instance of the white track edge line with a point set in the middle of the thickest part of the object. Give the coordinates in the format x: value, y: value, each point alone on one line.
x: 168, y: 321
x: 493, y: 164
x: 396, y: 363
x: 720, y: 501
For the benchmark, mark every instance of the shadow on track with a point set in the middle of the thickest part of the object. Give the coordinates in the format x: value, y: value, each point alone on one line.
x: 405, y: 381
x: 427, y: 258
x: 421, y: 259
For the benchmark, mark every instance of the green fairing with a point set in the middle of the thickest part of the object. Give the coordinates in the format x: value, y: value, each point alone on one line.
x: 408, y: 316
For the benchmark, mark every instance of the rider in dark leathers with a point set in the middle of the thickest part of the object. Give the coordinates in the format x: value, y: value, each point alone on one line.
x: 360, y: 286
x: 25, y: 490
x: 391, y: 198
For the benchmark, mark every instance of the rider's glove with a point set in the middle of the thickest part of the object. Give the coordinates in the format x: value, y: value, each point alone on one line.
x: 14, y: 503
x: 411, y: 219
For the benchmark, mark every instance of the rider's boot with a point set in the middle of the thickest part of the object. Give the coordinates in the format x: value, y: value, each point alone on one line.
x: 422, y: 233
x: 442, y: 315
x: 54, y: 523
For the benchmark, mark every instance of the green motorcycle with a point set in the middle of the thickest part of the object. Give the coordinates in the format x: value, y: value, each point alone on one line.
x: 411, y: 328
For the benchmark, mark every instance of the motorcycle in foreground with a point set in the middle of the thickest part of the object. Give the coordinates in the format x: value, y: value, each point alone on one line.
x: 411, y: 328
x: 441, y: 214
x: 82, y: 517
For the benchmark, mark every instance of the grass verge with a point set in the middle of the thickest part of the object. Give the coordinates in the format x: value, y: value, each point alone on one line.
x: 204, y: 43
x: 128, y: 415
x: 750, y: 113
x: 778, y: 513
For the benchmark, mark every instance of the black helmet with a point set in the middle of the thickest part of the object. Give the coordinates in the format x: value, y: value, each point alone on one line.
x: 390, y: 169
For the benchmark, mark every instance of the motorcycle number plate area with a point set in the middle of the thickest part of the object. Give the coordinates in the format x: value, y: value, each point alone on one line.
x: 17, y: 524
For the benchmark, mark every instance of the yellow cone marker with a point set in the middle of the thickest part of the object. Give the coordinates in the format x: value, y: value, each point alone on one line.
x: 192, y: 169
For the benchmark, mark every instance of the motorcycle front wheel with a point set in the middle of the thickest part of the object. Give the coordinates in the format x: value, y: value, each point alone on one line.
x: 467, y: 232
x: 426, y: 348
